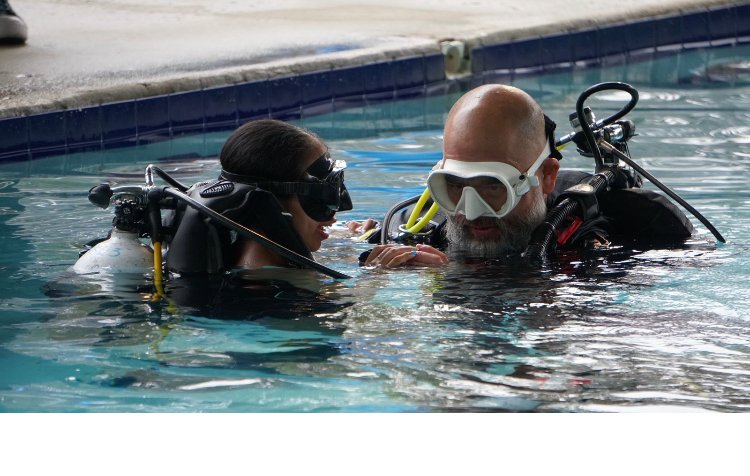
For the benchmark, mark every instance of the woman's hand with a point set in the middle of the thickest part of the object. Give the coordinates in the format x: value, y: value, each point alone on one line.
x: 393, y: 256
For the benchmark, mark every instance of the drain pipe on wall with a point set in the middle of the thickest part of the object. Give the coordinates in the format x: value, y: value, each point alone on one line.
x: 457, y: 58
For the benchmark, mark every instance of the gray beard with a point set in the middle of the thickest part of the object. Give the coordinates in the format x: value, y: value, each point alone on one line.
x: 514, y: 236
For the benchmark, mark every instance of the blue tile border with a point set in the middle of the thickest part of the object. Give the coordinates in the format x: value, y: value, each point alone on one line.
x: 285, y: 98
x: 220, y: 107
x: 83, y: 128
x: 14, y: 139
x: 252, y: 100
x: 152, y: 118
x: 186, y: 113
x: 46, y: 133
x: 302, y: 95
x: 118, y: 122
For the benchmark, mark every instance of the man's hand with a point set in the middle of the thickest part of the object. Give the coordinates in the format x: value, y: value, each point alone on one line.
x: 393, y: 256
x: 358, y: 227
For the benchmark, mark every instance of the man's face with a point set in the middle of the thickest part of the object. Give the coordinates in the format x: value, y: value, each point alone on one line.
x: 492, y: 237
x: 502, y: 124
x: 488, y: 236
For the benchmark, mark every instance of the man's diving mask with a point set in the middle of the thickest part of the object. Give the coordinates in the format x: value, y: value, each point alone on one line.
x: 321, y: 190
x: 482, y: 189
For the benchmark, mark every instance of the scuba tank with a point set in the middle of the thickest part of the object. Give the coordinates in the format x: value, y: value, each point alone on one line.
x: 122, y: 251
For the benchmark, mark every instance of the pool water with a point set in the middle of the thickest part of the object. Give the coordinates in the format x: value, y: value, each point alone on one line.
x: 631, y: 330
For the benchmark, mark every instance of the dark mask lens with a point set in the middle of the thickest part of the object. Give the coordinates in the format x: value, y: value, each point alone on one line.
x: 316, y: 209
x: 332, y: 195
x: 345, y: 201
x: 322, y: 167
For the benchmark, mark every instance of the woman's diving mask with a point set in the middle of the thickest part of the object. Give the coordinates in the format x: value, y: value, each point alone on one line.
x: 321, y: 190
x: 482, y: 189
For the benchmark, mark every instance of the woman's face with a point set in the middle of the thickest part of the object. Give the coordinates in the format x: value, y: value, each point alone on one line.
x: 311, y: 231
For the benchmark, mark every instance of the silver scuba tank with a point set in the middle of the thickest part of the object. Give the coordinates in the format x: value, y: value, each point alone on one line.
x: 122, y: 252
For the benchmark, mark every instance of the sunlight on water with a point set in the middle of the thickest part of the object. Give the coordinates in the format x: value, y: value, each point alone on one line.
x: 630, y: 330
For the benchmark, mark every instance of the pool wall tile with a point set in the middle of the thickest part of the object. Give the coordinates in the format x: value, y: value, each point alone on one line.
x: 409, y: 76
x: 668, y: 32
x: 315, y: 87
x: 14, y: 139
x: 347, y: 82
x: 585, y: 45
x: 501, y: 76
x: 379, y: 81
x: 317, y: 93
x: 556, y: 50
x: 296, y: 96
x: 613, y: 41
x: 527, y: 54
x: 440, y: 88
x: 186, y: 114
x: 220, y: 108
x: 118, y: 122
x: 285, y: 98
x: 478, y: 60
x: 742, y: 21
x: 639, y: 36
x: 434, y: 68
x: 47, y: 134
x: 252, y: 101
x: 347, y: 87
x: 695, y: 29
x: 722, y: 23
x: 152, y: 118
x: 498, y: 57
x: 83, y: 128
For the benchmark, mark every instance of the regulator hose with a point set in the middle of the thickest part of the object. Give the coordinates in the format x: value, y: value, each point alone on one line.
x: 543, y: 239
x: 587, y: 130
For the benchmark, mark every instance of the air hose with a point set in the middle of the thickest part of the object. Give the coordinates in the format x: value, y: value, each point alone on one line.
x: 543, y: 239
x: 414, y: 226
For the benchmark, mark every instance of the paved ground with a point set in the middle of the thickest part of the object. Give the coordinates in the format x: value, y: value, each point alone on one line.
x: 87, y: 51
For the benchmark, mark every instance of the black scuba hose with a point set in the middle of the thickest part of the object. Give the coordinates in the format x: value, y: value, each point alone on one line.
x: 251, y: 235
x: 586, y: 128
x: 545, y: 235
x: 665, y: 189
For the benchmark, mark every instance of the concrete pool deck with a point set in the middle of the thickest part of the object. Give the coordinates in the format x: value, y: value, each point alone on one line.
x: 86, y: 52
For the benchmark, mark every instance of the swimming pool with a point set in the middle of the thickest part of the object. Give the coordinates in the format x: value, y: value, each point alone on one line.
x: 633, y: 331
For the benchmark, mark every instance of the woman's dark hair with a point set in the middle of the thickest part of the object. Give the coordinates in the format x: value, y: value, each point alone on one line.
x: 269, y: 149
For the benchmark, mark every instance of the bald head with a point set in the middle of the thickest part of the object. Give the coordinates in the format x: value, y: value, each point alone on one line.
x: 495, y: 123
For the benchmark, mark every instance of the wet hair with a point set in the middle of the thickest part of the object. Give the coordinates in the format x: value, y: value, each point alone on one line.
x: 268, y: 148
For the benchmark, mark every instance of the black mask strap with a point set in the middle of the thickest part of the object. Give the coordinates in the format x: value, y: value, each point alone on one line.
x: 549, y: 131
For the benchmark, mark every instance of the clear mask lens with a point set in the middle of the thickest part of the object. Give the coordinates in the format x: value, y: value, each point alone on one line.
x: 491, y: 190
